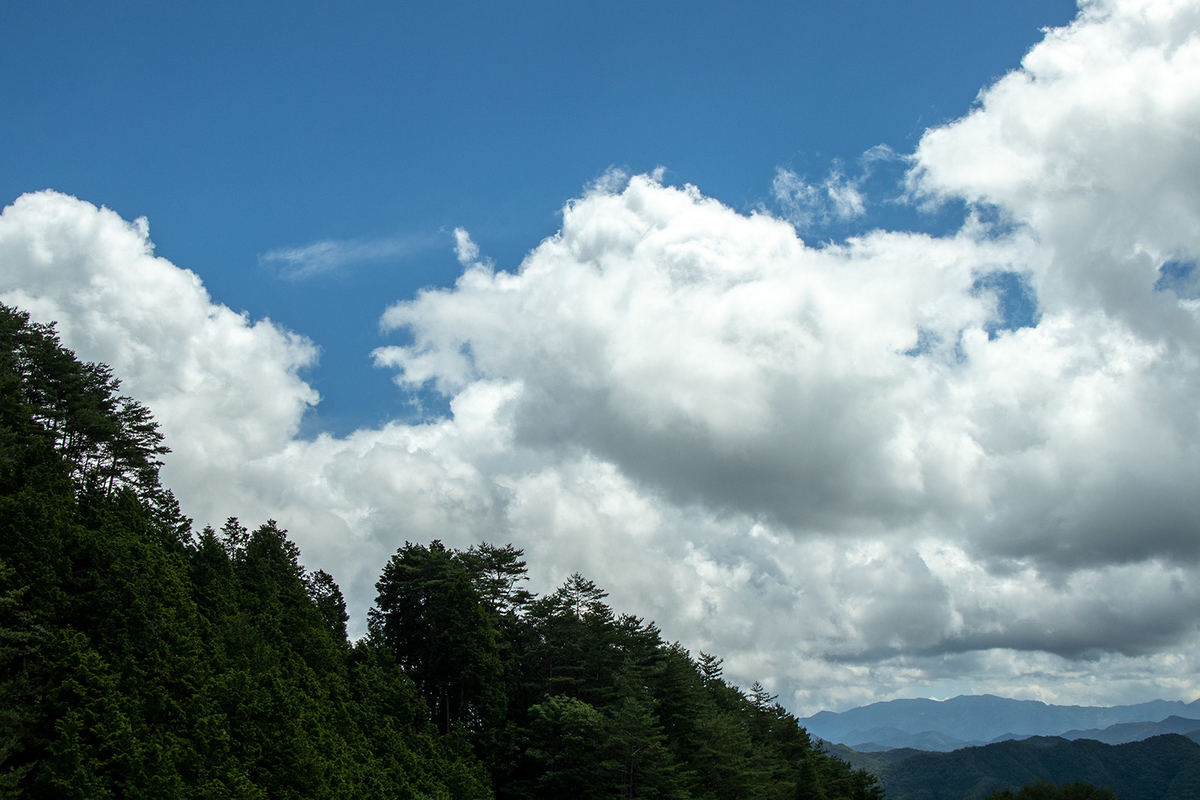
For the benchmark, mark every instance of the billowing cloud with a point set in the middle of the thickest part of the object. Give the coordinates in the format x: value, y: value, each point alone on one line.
x: 716, y: 358
x: 850, y: 470
x: 1091, y: 143
x: 228, y: 388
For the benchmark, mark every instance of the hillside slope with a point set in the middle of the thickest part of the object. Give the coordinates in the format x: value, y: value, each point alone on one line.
x: 1161, y: 768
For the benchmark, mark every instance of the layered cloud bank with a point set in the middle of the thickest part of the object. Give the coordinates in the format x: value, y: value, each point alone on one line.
x: 852, y: 470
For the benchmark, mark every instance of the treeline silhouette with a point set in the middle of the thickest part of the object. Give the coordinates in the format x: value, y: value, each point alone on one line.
x: 141, y: 659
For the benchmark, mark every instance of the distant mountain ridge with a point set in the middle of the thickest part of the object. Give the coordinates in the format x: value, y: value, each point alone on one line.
x: 889, y: 739
x: 1137, y: 731
x: 978, y: 719
x: 880, y: 739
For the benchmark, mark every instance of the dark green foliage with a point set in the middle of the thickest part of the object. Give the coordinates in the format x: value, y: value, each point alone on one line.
x: 106, y: 442
x: 432, y: 618
x: 1041, y: 790
x: 19, y: 641
x: 327, y: 597
x: 597, y: 704
x: 138, y: 661
x: 497, y: 573
x: 566, y: 748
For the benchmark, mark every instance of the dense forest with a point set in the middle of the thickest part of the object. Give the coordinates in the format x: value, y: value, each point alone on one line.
x: 1165, y: 767
x: 140, y: 658
x: 1041, y: 790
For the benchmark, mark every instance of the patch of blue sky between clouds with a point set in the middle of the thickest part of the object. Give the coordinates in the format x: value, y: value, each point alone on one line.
x: 1016, y: 301
x: 1181, y: 277
x: 927, y: 340
x: 836, y: 202
x: 853, y: 200
x: 416, y: 406
x: 1016, y: 307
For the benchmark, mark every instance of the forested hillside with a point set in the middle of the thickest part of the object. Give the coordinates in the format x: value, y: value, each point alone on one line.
x: 142, y: 659
x: 1164, y: 767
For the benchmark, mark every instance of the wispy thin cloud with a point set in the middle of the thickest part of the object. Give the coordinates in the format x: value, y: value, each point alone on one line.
x: 806, y: 205
x: 465, y: 250
x: 330, y: 255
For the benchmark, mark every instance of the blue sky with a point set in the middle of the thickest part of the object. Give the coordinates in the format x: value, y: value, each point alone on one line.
x: 240, y: 129
x: 857, y: 343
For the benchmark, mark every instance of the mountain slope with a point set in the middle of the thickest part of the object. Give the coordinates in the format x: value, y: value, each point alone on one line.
x: 1161, y: 768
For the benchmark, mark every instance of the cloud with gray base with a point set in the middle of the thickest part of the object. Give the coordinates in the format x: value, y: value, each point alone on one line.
x: 826, y: 464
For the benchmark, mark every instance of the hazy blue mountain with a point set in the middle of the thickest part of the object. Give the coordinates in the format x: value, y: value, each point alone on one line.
x: 878, y: 739
x: 1161, y: 768
x: 981, y: 718
x: 1136, y: 731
